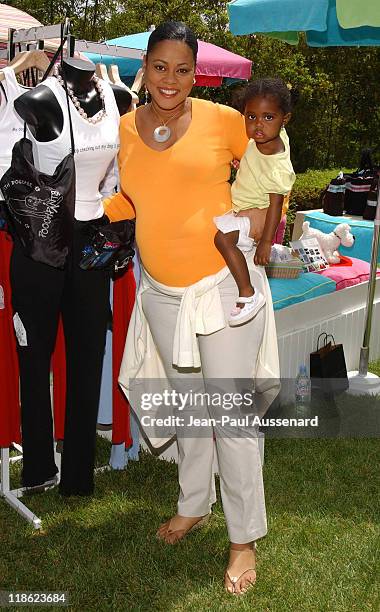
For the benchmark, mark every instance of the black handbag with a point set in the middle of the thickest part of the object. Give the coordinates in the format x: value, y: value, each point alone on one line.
x: 328, y: 370
x: 332, y: 198
x: 369, y: 212
x: 40, y: 207
x: 358, y: 185
x: 110, y: 247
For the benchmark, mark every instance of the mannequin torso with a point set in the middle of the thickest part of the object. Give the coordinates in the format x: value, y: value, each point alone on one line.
x: 42, y: 112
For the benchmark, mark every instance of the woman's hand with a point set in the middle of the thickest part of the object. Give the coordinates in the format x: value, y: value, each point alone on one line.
x: 262, y: 255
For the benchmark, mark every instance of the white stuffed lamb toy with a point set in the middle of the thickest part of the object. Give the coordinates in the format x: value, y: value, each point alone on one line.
x: 329, y: 243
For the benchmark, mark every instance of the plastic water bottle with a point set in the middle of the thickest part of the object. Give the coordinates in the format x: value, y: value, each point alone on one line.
x: 303, y: 389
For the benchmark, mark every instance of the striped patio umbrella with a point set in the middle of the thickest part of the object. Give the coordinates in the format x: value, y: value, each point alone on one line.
x: 11, y: 17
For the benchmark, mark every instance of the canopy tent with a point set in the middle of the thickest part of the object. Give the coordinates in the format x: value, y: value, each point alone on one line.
x: 214, y: 66
x: 326, y: 23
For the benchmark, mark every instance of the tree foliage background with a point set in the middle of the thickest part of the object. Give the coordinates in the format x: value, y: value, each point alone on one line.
x: 338, y: 110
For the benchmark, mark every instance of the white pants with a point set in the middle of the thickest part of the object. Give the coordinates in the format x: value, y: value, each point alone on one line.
x: 229, y: 222
x: 230, y: 353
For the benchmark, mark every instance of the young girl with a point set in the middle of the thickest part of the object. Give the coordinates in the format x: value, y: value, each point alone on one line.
x: 264, y: 177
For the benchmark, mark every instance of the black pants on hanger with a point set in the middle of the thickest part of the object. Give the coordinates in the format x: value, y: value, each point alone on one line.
x: 40, y: 293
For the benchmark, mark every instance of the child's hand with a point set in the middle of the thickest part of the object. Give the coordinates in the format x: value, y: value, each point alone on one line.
x: 262, y: 254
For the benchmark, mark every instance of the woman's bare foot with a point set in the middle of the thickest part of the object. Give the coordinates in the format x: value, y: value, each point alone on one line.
x: 241, y: 570
x: 178, y: 526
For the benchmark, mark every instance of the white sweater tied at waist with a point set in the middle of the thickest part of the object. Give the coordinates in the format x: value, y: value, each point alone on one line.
x: 200, y: 312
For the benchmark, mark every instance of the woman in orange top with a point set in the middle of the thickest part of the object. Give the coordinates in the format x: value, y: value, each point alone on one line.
x: 174, y: 164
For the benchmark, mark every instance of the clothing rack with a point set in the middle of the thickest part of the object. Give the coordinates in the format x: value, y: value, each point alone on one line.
x: 105, y: 49
x: 36, y: 37
x: 39, y: 34
x: 12, y: 496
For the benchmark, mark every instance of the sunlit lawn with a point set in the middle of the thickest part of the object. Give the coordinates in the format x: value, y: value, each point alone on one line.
x: 321, y: 552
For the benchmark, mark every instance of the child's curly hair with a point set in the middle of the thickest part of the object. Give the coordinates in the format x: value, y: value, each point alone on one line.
x: 271, y: 87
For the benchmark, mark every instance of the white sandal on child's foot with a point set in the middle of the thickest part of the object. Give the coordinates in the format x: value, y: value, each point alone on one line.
x: 251, y: 307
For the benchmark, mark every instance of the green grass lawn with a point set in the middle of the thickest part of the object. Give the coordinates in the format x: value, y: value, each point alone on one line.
x: 321, y: 552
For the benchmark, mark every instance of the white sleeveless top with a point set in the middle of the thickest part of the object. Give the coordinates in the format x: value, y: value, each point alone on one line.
x: 96, y: 146
x: 11, y: 125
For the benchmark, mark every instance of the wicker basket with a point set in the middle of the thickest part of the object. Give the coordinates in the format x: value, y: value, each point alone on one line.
x: 288, y: 269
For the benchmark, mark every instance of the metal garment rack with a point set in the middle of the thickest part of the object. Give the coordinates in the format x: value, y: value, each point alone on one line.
x: 105, y: 49
x: 12, y: 496
x: 38, y: 35
x: 35, y: 37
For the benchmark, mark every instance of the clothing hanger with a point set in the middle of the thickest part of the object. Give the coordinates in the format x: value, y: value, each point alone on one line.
x: 29, y: 59
x: 138, y: 82
x: 114, y: 76
x: 101, y: 72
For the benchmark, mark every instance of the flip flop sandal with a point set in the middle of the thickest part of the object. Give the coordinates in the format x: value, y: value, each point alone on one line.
x: 251, y: 307
x: 181, y: 533
x: 234, y: 579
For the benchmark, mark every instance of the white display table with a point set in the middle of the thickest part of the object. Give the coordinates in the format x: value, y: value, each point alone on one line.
x: 300, y: 217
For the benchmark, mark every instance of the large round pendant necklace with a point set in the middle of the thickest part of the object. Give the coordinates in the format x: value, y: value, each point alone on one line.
x: 162, y: 133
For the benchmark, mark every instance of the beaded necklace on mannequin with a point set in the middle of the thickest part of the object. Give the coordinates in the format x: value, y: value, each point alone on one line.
x: 97, y: 83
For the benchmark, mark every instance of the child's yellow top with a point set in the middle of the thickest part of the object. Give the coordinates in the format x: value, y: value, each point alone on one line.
x: 259, y: 175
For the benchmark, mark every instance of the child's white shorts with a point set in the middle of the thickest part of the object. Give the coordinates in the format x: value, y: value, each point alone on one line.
x: 230, y: 223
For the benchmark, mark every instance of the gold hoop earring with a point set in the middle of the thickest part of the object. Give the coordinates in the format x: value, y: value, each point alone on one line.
x: 194, y: 80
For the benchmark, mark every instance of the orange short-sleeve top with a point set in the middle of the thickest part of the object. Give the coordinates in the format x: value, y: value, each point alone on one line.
x: 174, y: 194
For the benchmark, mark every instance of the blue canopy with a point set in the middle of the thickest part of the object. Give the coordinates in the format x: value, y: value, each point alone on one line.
x: 247, y: 16
x: 283, y: 19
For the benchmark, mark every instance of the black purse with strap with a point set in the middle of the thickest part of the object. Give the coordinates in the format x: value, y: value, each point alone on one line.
x: 110, y: 246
